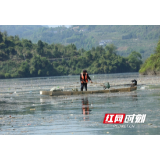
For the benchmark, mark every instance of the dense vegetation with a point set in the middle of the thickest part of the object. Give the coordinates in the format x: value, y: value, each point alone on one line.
x: 152, y: 64
x: 60, y: 34
x: 22, y: 58
x: 140, y: 38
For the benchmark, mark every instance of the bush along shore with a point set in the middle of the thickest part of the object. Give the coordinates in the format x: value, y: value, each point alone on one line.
x: 152, y: 65
x: 22, y: 58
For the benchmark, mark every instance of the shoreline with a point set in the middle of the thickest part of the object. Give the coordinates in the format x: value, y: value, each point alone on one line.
x: 151, y: 73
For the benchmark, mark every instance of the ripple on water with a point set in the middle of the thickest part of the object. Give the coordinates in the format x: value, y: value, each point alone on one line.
x: 24, y: 111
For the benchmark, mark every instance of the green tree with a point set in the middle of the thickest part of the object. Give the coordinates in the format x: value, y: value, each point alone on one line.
x: 157, y: 50
x: 134, y: 59
x: 152, y: 64
x: 2, y: 75
x: 40, y: 44
x: 16, y: 37
x: 111, y: 48
x: 40, y: 50
x: 28, y: 55
x: 7, y: 75
x: 23, y: 70
x: 1, y: 37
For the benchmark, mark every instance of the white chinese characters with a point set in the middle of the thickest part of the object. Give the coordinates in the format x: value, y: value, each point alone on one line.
x: 139, y: 118
x: 123, y: 118
x: 129, y: 118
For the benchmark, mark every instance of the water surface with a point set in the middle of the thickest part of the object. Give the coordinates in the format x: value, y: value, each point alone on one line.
x: 24, y: 111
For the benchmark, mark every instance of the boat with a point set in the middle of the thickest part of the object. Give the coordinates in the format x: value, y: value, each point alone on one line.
x: 61, y: 93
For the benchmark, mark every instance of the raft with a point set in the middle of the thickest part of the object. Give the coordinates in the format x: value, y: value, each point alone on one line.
x: 60, y: 93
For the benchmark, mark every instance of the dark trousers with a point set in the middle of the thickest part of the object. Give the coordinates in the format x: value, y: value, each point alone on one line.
x: 83, y: 85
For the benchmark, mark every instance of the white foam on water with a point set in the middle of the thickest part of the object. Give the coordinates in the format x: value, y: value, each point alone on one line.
x: 143, y: 87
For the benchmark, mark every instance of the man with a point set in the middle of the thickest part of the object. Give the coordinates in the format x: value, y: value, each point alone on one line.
x: 134, y: 83
x: 84, y: 79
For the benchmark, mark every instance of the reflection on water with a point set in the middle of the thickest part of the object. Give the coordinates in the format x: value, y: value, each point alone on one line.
x: 85, y: 106
x: 24, y: 111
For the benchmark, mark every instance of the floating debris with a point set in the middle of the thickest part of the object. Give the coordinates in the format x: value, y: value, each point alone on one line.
x: 143, y: 87
x: 32, y: 109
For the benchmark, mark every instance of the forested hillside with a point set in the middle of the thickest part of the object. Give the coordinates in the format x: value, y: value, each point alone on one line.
x: 22, y: 58
x: 152, y: 64
x: 140, y: 38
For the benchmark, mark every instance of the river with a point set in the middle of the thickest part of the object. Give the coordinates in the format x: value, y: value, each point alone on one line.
x: 24, y: 111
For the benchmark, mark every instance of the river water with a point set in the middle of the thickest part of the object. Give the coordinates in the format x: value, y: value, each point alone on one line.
x: 24, y: 111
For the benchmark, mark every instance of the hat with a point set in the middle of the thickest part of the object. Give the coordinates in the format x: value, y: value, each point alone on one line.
x: 84, y: 70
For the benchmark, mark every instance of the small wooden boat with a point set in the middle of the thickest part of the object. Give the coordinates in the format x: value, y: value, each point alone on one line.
x: 60, y: 93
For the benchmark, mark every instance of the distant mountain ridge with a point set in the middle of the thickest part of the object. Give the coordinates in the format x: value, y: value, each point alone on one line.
x: 45, y: 26
x: 126, y: 38
x: 20, y: 30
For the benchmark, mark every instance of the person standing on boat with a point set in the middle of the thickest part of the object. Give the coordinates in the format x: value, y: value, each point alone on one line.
x: 84, y: 79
